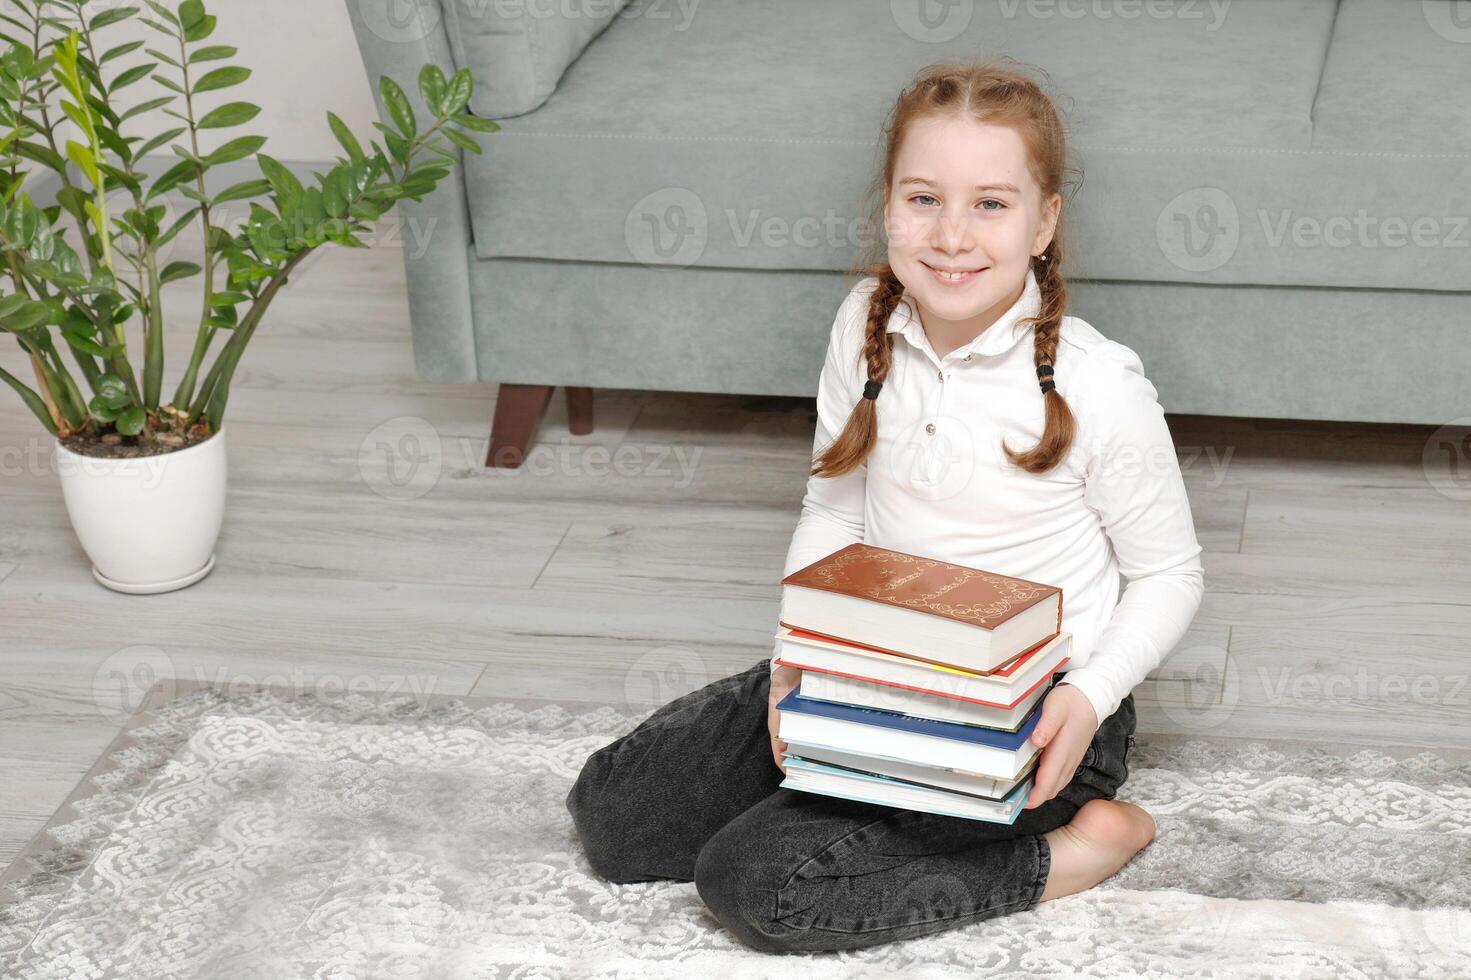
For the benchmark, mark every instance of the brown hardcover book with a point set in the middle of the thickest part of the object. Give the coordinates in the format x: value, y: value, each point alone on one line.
x: 921, y: 607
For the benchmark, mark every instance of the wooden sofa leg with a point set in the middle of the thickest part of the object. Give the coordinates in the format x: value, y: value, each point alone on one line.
x: 579, y: 411
x: 518, y: 408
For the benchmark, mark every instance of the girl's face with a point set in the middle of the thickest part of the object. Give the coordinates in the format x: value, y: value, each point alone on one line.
x: 963, y: 219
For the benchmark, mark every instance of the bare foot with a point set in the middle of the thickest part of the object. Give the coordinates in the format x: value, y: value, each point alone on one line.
x: 1102, y: 837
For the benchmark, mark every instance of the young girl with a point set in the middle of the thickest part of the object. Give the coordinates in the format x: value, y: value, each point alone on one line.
x: 963, y: 416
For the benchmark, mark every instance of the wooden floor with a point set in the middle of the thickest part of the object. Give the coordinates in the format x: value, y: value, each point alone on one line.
x: 365, y: 546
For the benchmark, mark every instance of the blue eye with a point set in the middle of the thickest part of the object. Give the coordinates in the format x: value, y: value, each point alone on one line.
x: 992, y: 200
x: 916, y: 198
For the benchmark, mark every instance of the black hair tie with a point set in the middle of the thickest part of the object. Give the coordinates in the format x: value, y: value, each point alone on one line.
x: 871, y: 390
x: 1044, y: 371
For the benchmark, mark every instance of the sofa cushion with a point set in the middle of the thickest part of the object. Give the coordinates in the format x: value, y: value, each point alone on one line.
x: 745, y: 133
x: 519, y: 49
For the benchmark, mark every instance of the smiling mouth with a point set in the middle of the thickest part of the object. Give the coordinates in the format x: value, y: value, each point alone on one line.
x: 964, y: 275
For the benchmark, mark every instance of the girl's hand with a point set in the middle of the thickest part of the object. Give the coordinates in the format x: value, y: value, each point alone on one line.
x: 1066, y: 729
x: 783, y: 680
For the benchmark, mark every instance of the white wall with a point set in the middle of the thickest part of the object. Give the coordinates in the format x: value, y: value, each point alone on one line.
x: 305, y: 62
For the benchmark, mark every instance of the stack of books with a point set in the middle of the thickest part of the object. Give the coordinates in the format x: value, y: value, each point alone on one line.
x: 921, y: 682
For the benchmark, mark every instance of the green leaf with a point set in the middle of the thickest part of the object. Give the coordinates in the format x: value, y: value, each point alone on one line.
x: 178, y: 270
x: 169, y: 84
x: 85, y: 161
x: 201, y: 30
x: 216, y: 52
x: 229, y: 114
x: 175, y: 228
x: 120, y: 50
x: 157, y: 141
x: 97, y: 406
x: 283, y: 180
x: 132, y: 75
x: 112, y: 391
x: 236, y: 149
x: 399, y: 109
x: 461, y: 87
x: 221, y: 78
x: 111, y: 17
x: 476, y: 123
x: 242, y: 191
x: 432, y: 87
x: 345, y: 137
x: 196, y: 23
x: 148, y: 106
x: 130, y: 422
x: 165, y: 58
x: 164, y: 12
x: 41, y: 154
x: 30, y: 315
x: 172, y: 177
x: 461, y: 140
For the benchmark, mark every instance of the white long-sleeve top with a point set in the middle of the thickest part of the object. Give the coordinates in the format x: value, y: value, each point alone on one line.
x: 938, y: 485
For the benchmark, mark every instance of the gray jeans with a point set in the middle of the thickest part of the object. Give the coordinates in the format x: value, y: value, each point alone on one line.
x: 691, y: 794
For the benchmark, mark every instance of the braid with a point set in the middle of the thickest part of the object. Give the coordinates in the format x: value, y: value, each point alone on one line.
x: 1047, y: 326
x: 853, y: 444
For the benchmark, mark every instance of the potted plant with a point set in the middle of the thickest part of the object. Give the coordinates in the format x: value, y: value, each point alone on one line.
x: 144, y: 476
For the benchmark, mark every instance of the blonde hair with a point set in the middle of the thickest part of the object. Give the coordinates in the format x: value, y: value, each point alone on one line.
x: 996, y: 95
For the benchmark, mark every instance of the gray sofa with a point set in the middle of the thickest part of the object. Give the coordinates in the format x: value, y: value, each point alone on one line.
x: 1273, y: 210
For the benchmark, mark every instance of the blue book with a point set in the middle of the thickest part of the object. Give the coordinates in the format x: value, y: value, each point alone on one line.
x: 883, y: 734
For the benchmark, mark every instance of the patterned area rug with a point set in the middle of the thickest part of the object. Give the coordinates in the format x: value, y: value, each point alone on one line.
x: 265, y: 835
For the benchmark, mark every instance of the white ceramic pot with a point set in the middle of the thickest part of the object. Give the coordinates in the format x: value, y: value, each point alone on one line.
x: 148, y: 523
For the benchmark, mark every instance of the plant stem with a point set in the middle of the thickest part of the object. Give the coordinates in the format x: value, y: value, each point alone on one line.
x: 217, y: 383
x: 206, y: 332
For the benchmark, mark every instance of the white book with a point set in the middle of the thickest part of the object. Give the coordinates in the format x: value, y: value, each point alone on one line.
x: 849, y: 690
x: 1003, y: 688
x: 971, y: 783
x: 815, y: 778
